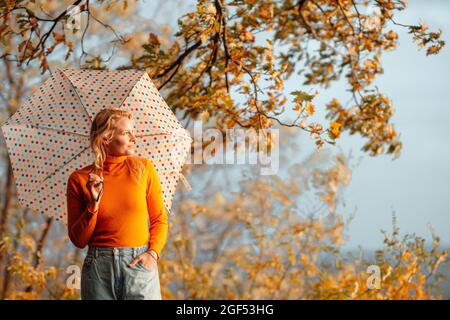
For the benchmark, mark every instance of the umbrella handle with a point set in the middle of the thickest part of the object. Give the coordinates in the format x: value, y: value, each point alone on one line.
x: 101, y: 192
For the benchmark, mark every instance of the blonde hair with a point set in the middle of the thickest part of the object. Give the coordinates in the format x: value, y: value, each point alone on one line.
x: 104, y: 126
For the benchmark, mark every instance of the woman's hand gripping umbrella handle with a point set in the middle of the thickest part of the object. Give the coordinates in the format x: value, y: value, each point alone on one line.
x: 95, y: 186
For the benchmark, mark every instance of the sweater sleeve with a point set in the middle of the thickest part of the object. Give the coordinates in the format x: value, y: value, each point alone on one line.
x: 80, y: 221
x: 157, y: 211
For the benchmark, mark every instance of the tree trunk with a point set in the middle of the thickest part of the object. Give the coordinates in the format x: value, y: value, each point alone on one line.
x: 38, y: 255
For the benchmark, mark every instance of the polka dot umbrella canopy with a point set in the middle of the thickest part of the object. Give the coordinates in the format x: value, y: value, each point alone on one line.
x: 48, y: 137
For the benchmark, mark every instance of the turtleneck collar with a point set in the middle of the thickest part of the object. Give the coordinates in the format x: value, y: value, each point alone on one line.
x: 115, y: 159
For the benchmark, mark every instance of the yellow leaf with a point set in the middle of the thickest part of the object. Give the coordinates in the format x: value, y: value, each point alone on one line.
x: 370, y: 64
x: 309, y: 108
x: 335, y: 128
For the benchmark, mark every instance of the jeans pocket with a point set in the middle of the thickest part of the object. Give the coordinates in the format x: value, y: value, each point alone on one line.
x: 141, y: 271
x: 145, y: 268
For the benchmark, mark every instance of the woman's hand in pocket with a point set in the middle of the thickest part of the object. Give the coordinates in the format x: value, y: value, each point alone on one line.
x: 146, y: 259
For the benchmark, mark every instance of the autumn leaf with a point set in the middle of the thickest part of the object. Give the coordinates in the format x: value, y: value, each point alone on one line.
x: 247, y: 36
x: 309, y: 107
x: 266, y: 11
x: 58, y: 37
x: 153, y: 38
x: 335, y: 129
x: 297, y: 108
x: 33, y: 21
x: 301, y: 96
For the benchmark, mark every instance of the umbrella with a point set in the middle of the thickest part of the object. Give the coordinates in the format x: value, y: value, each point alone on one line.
x: 48, y: 137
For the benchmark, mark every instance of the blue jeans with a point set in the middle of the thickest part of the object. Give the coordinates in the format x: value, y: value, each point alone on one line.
x: 106, y: 275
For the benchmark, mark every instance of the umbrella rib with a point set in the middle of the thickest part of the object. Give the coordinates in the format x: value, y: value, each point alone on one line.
x: 65, y: 163
x: 141, y: 74
x: 51, y: 129
x: 76, y: 92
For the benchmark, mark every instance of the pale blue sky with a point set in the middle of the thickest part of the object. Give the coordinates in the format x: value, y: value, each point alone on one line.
x: 417, y: 185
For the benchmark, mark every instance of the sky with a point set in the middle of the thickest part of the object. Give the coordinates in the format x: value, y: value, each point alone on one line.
x: 417, y: 185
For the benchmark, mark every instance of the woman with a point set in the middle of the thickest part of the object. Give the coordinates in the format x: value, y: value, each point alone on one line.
x: 109, y: 206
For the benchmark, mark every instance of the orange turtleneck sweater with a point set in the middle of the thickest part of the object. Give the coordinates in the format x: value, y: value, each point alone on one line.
x: 125, y: 208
